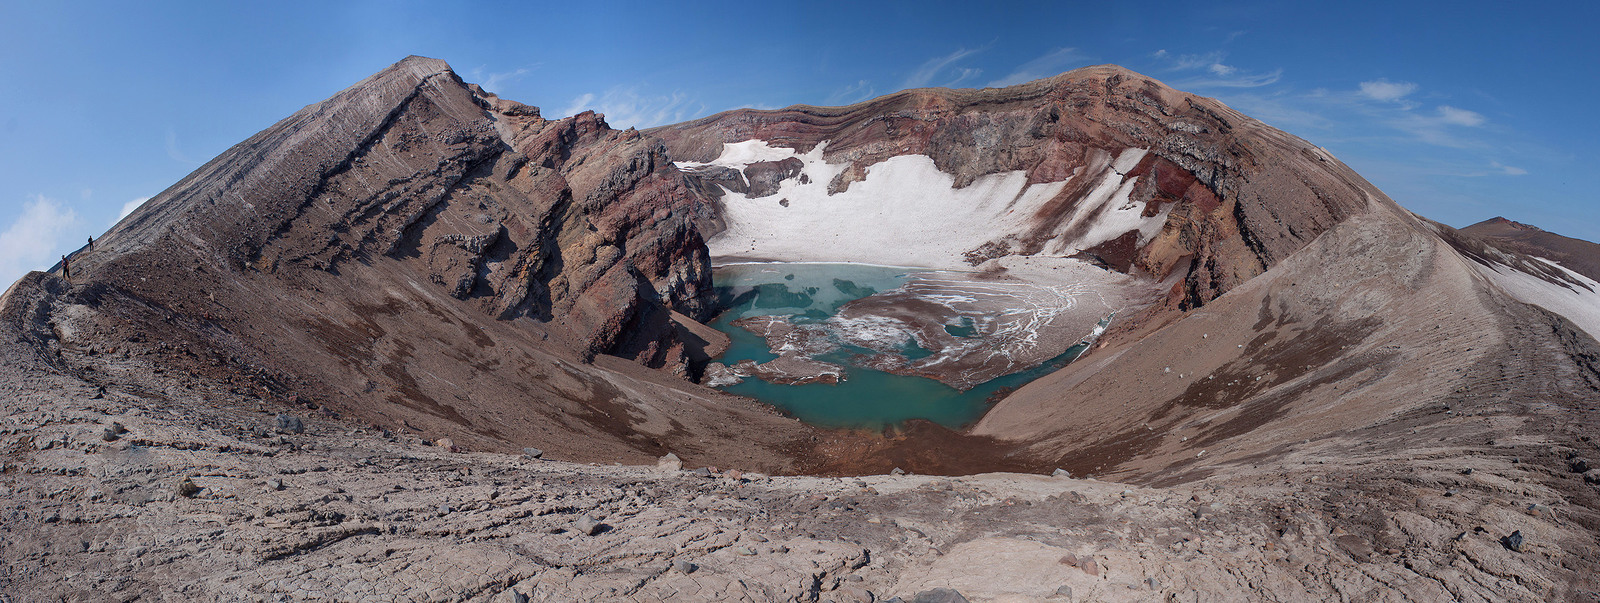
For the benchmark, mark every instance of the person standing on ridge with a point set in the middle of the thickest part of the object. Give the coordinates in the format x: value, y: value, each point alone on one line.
x: 91, y: 243
x: 66, y: 268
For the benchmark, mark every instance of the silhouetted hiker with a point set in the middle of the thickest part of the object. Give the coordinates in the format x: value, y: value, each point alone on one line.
x: 91, y: 243
x: 66, y: 268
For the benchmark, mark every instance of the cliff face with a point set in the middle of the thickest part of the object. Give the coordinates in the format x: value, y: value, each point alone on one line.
x: 417, y: 252
x: 1218, y: 196
x: 563, y: 220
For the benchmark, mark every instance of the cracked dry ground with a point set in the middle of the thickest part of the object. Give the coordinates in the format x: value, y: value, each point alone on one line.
x: 346, y: 514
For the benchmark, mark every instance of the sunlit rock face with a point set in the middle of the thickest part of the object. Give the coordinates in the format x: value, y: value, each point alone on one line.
x: 1064, y: 201
x: 1101, y: 164
x: 417, y: 252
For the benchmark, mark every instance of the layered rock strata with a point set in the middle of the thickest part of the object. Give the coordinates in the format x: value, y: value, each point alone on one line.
x: 424, y: 256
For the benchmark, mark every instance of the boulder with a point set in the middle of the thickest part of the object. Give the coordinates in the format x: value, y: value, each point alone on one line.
x: 290, y: 424
x: 1514, y: 542
x: 187, y: 488
x: 587, y: 525
x: 669, y: 462
x: 939, y: 595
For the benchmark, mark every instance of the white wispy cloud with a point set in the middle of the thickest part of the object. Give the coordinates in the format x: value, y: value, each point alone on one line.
x: 931, y: 68
x: 127, y: 208
x: 34, y: 238
x: 1051, y: 63
x: 1280, y: 109
x: 578, y: 105
x: 852, y: 94
x: 173, y: 151
x: 1186, y: 62
x: 1460, y: 117
x: 1387, y: 91
x: 1238, y: 79
x: 492, y: 80
x: 962, y: 74
x: 1218, y: 73
x: 627, y: 107
x: 1508, y: 170
x: 1446, y: 126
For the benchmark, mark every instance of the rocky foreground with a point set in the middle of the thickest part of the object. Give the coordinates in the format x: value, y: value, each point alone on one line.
x: 115, y: 495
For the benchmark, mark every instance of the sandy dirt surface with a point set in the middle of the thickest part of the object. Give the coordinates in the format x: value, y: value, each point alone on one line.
x: 332, y: 511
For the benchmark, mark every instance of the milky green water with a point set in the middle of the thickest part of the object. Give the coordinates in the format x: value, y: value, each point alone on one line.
x: 867, y: 398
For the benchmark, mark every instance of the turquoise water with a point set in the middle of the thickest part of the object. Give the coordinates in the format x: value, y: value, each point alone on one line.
x: 867, y: 398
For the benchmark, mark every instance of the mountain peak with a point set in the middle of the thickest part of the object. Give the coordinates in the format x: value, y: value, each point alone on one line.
x: 420, y: 65
x: 1514, y: 224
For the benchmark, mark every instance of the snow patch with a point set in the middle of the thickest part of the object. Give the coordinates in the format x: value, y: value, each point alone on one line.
x: 907, y: 212
x: 1107, y: 212
x: 1577, y: 304
x: 742, y: 154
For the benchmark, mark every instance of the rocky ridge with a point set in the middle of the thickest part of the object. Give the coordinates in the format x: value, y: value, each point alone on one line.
x: 418, y: 254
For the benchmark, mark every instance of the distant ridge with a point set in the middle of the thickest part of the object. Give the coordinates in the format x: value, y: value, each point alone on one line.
x: 1578, y: 255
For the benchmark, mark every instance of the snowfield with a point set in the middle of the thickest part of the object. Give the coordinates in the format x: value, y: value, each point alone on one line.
x: 907, y: 212
x: 1579, y: 305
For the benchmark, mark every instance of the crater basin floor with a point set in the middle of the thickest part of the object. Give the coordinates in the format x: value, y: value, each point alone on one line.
x: 865, y: 346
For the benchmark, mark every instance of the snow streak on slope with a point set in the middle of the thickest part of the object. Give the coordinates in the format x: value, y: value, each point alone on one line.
x: 1580, y: 304
x: 907, y: 212
x: 1107, y: 212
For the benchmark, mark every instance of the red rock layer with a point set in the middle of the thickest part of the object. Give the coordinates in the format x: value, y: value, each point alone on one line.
x: 1246, y: 195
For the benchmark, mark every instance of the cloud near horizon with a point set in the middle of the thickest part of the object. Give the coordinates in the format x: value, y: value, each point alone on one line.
x: 127, y: 208
x: 625, y: 107
x: 931, y: 68
x: 1387, y: 91
x: 33, y: 241
x: 491, y: 81
x: 1218, y: 74
x: 852, y: 94
x: 1460, y: 117
x: 1050, y: 64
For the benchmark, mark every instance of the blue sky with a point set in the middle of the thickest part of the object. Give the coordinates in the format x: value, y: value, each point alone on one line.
x: 1460, y: 111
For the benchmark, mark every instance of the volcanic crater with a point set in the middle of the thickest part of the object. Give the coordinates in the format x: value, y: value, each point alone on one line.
x: 433, y: 278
